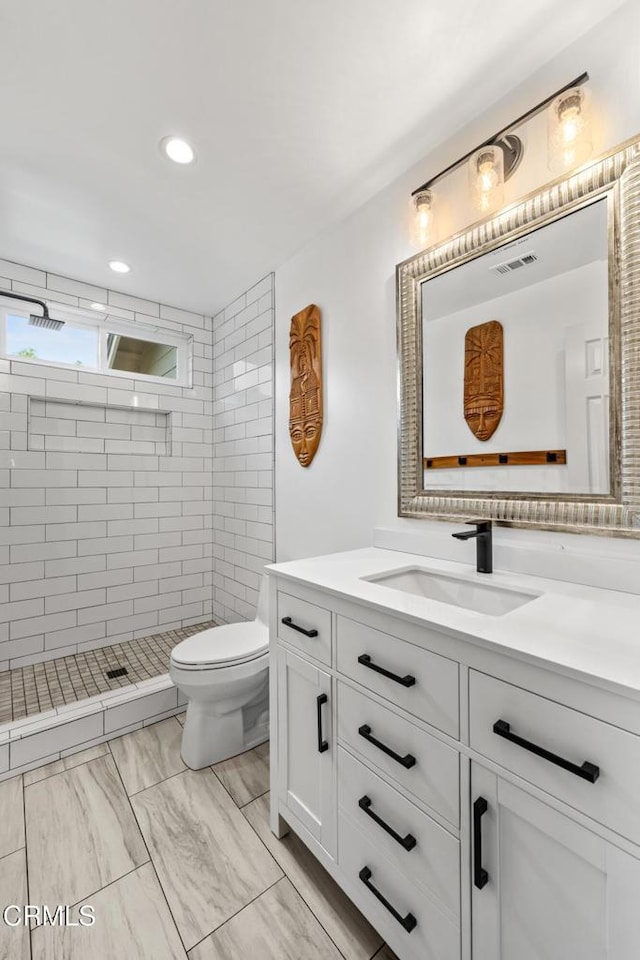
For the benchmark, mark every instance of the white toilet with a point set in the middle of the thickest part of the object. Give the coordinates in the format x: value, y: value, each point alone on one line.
x: 224, y: 671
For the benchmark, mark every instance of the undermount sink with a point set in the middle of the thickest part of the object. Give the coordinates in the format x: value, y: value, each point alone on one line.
x: 483, y: 598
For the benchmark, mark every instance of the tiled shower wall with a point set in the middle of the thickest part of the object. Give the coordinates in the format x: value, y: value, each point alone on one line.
x: 243, y: 450
x: 101, y: 547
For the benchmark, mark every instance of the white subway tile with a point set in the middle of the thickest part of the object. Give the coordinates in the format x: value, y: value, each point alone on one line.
x: 42, y: 587
x: 57, y: 738
x: 140, y: 709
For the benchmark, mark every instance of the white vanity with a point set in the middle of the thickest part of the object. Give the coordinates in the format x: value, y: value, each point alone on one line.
x: 462, y: 753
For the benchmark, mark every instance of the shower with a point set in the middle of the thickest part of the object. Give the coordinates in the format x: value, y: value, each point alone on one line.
x: 35, y: 320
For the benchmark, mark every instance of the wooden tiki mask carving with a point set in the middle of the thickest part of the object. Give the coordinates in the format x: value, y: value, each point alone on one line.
x: 484, y: 378
x: 305, y: 396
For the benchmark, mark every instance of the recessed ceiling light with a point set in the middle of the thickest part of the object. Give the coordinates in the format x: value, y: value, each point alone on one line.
x: 98, y: 306
x: 119, y: 266
x: 178, y: 150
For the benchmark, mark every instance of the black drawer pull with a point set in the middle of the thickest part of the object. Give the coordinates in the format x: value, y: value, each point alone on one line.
x: 366, y: 661
x: 409, y: 922
x: 288, y: 622
x: 407, y: 842
x: 587, y: 771
x: 407, y: 761
x: 322, y: 744
x: 480, y: 875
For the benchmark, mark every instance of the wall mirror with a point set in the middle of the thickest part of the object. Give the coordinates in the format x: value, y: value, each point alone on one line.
x: 519, y: 361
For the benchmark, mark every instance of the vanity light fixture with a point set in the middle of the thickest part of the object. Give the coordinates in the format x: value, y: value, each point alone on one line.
x: 119, y: 266
x: 495, y: 160
x: 178, y: 150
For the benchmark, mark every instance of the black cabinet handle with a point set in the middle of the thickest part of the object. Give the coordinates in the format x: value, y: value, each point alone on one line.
x: 407, y: 761
x: 322, y: 744
x: 587, y: 771
x: 288, y: 622
x: 366, y: 661
x: 480, y: 875
x: 409, y: 922
x: 407, y: 842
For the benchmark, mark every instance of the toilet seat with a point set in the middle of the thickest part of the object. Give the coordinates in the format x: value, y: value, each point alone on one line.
x: 225, y: 646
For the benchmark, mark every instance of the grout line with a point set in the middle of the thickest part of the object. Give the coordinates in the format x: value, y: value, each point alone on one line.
x: 52, y: 776
x: 26, y: 860
x: 244, y: 907
x: 243, y: 805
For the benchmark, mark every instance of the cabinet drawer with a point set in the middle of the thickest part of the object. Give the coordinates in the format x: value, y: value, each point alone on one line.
x: 420, y: 848
x: 434, y: 937
x: 433, y: 694
x: 590, y: 748
x: 424, y: 766
x: 305, y: 625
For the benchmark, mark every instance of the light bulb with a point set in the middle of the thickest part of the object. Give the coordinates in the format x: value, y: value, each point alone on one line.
x: 486, y: 175
x: 569, y: 139
x: 423, y: 229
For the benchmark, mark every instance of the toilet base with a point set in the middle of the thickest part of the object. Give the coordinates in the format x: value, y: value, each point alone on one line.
x: 209, y: 738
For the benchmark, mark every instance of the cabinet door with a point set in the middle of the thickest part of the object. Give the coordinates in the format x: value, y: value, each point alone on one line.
x: 306, y: 746
x: 552, y: 890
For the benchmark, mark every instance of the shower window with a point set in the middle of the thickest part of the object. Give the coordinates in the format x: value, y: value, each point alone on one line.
x: 77, y: 346
x: 108, y: 346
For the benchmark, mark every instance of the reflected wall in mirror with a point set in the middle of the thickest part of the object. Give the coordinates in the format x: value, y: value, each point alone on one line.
x: 515, y: 358
x: 542, y: 304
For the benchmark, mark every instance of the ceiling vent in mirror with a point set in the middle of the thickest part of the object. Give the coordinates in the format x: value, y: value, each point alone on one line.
x: 508, y: 266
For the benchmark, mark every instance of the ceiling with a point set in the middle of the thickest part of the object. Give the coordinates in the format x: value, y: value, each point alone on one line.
x: 297, y: 110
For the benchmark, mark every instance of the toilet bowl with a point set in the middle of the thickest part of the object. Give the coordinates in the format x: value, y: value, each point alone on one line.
x: 224, y: 673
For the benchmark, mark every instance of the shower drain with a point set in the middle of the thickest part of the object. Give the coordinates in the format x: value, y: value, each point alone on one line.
x: 117, y: 672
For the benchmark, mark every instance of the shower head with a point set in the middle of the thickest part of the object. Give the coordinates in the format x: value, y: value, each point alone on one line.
x: 35, y: 320
x: 45, y: 321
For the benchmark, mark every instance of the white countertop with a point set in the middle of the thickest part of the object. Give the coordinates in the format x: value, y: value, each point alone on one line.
x: 586, y: 632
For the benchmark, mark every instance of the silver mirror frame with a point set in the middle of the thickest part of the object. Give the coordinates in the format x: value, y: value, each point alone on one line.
x: 616, y: 176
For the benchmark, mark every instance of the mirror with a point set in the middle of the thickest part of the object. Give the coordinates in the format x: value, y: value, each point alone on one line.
x: 518, y: 361
x: 515, y: 360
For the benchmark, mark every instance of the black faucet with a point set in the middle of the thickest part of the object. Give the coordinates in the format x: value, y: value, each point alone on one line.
x: 482, y: 536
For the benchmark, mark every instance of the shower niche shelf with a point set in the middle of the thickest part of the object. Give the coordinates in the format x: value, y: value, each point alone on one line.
x: 78, y: 427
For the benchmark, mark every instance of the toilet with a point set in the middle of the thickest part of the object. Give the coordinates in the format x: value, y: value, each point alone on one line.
x: 224, y: 673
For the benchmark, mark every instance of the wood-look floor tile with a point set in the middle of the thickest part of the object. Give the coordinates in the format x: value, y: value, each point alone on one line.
x: 350, y: 931
x: 385, y: 954
x: 245, y: 776
x: 11, y: 816
x: 148, y: 756
x: 81, y: 833
x: 14, y: 941
x: 67, y: 763
x: 276, y: 926
x: 209, y: 861
x: 132, y: 922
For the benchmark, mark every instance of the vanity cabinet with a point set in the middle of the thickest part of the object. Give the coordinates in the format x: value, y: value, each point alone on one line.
x: 545, y: 887
x: 473, y: 806
x: 306, y: 746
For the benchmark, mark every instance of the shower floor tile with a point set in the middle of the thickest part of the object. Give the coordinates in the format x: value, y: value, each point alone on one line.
x: 26, y: 691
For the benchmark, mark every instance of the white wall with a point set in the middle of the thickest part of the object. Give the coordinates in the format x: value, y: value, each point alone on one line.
x: 103, y: 546
x: 349, y: 272
x: 535, y: 321
x: 243, y: 450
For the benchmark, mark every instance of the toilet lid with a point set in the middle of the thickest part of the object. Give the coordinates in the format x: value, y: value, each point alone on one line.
x: 222, y: 646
